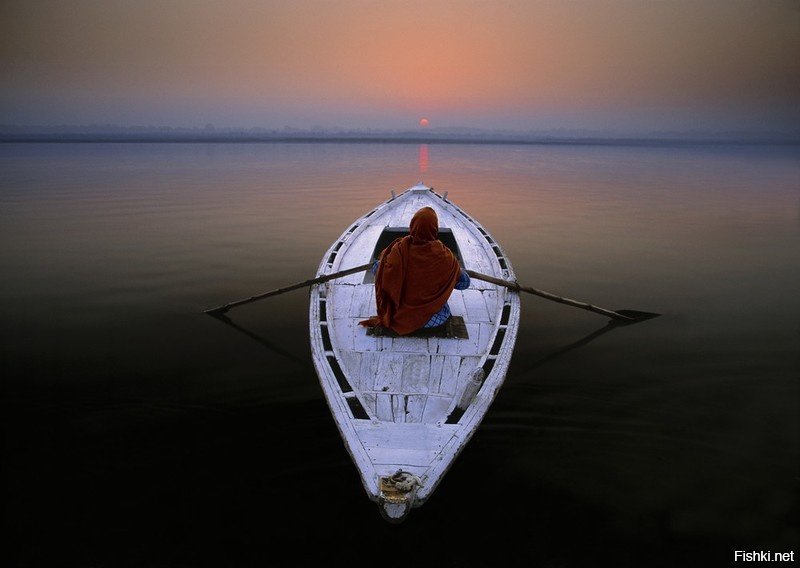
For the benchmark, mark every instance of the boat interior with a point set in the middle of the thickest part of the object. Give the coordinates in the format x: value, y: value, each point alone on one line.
x: 389, y: 234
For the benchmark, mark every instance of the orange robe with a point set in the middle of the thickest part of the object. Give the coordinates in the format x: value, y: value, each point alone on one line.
x: 416, y: 275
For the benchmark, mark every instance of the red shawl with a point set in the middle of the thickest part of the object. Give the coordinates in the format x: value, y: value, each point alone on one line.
x: 416, y: 275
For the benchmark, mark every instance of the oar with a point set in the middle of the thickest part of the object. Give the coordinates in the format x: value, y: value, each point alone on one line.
x: 620, y: 316
x: 219, y: 310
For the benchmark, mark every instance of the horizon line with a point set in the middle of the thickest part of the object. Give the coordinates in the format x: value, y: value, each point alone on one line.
x: 209, y: 129
x: 216, y: 138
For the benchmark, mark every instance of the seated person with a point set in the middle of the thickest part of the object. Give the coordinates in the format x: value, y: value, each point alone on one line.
x: 414, y: 278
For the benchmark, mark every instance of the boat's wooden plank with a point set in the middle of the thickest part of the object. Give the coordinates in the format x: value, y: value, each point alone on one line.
x: 475, y: 262
x: 390, y: 469
x: 481, y: 285
x: 408, y: 344
x: 448, y: 346
x: 363, y: 301
x: 404, y: 436
x: 341, y: 332
x: 369, y: 400
x: 383, y: 407
x: 416, y: 374
x: 399, y: 407
x: 449, y: 380
x: 356, y: 252
x: 388, y: 219
x: 489, y: 266
x: 414, y: 204
x: 483, y: 262
x: 350, y: 363
x: 436, y: 408
x: 427, y: 199
x: 390, y: 372
x: 446, y: 218
x: 482, y: 257
x: 476, y: 306
x: 435, y: 377
x: 503, y: 295
x: 352, y: 279
x: 492, y: 304
x: 399, y: 219
x: 339, y: 299
x: 401, y: 457
x: 415, y: 406
x: 368, y: 370
x: 397, y: 216
x: 457, y: 223
x: 360, y: 249
x: 470, y: 346
x: 456, y: 303
x: 486, y: 333
x: 468, y: 366
x: 363, y: 342
x: 473, y: 250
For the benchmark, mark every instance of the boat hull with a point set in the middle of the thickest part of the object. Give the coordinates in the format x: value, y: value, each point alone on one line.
x: 410, y: 404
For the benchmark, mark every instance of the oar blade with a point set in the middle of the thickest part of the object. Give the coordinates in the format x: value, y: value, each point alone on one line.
x: 635, y: 315
x: 217, y: 312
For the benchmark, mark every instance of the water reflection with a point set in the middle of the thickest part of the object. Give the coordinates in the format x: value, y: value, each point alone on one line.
x: 108, y: 253
x: 261, y: 340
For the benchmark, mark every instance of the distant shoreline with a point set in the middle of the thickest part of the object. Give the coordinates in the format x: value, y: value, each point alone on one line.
x: 312, y: 139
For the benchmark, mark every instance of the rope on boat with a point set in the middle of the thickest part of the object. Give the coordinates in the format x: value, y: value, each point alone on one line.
x: 403, y: 481
x: 397, y: 495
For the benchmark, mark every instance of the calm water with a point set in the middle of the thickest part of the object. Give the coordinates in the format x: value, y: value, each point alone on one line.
x: 138, y: 432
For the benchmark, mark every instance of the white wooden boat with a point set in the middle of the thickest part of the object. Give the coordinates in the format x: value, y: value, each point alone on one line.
x: 406, y: 406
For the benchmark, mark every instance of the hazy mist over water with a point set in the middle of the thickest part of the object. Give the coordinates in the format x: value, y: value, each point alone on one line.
x: 141, y: 432
x: 598, y: 65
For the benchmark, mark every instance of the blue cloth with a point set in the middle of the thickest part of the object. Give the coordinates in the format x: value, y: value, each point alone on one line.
x: 441, y: 316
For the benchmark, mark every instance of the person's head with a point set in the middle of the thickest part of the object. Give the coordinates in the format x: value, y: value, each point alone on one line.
x: 424, y: 226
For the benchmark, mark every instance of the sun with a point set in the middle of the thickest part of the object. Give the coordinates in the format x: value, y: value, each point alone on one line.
x: 423, y: 122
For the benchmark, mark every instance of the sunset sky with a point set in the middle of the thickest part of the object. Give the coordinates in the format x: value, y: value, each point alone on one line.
x: 599, y: 65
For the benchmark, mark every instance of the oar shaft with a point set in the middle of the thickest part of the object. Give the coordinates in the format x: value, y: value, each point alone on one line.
x: 318, y: 280
x: 549, y: 296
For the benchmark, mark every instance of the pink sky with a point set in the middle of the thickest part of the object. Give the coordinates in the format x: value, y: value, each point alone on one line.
x: 521, y: 65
